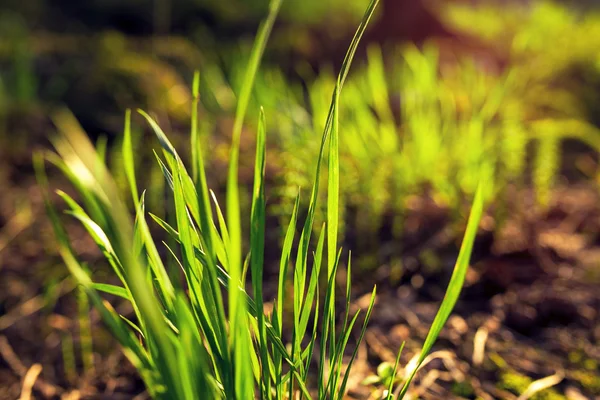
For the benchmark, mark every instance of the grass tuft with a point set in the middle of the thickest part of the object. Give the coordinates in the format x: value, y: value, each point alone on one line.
x: 186, y: 339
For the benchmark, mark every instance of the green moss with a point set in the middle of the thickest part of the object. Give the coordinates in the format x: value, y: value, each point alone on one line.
x: 513, y: 382
x: 463, y: 389
x: 590, y: 364
x: 589, y: 380
x: 498, y: 360
x: 430, y: 261
x: 518, y: 383
x: 575, y: 357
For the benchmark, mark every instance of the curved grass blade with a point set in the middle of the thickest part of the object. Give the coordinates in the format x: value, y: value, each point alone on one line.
x: 80, y: 157
x: 112, y: 289
x: 237, y: 313
x: 454, y: 287
x: 131, y: 346
x: 342, y: 389
x: 390, y: 389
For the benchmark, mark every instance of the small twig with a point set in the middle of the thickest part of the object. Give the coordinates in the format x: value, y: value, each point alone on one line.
x: 479, y: 391
x: 427, y: 381
x: 447, y: 357
x: 24, y: 309
x: 541, y: 384
x: 412, y: 364
x: 74, y: 395
x: 379, y: 348
x: 17, y: 224
x: 20, y: 370
x: 479, y: 345
x: 411, y: 318
x: 29, y: 380
x: 11, y: 358
x: 32, y: 305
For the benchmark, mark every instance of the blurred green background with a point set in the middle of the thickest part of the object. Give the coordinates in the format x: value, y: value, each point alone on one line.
x: 442, y: 94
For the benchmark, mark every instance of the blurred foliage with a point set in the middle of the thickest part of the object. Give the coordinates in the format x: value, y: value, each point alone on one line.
x: 99, y: 57
x: 553, y: 48
x: 311, y: 12
x: 413, y: 120
x: 553, y: 52
x: 415, y: 123
x: 408, y: 128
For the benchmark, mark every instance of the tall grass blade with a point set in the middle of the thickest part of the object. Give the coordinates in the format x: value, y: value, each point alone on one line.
x: 197, y: 162
x: 342, y: 390
x: 454, y: 287
x: 240, y: 339
x: 128, y: 158
x: 257, y: 248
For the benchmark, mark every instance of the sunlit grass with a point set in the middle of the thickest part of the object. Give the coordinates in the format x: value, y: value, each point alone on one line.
x: 187, y: 339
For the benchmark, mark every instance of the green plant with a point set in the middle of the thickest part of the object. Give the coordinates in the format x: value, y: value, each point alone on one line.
x: 186, y: 337
x: 414, y: 124
x: 552, y: 52
x: 452, y: 124
x: 20, y: 77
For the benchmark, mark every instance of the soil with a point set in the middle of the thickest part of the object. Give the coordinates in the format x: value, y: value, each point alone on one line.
x: 529, y: 308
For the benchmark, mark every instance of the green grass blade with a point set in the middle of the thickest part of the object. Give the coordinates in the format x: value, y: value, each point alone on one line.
x: 284, y: 262
x: 455, y: 285
x: 328, y: 315
x: 333, y: 187
x: 257, y: 247
x: 333, y: 193
x: 112, y: 289
x: 309, y: 299
x: 96, y: 233
x: 390, y: 389
x: 237, y: 312
x: 165, y: 171
x: 81, y: 158
x: 233, y: 217
x: 197, y: 276
x: 165, y: 143
x: 133, y: 326
x: 194, y: 137
x: 221, y: 244
x: 165, y: 225
x: 163, y: 281
x: 332, y: 231
x: 346, y: 328
x: 128, y: 159
x: 89, y: 198
x: 342, y: 390
x: 207, y: 296
x: 193, y: 368
x: 174, y: 162
x: 336, y: 369
x: 131, y: 347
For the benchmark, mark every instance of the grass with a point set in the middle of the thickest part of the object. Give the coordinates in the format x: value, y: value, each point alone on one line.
x: 452, y: 126
x: 417, y: 122
x: 206, y: 333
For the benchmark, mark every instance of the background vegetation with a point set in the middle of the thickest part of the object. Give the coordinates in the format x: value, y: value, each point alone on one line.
x: 441, y: 95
